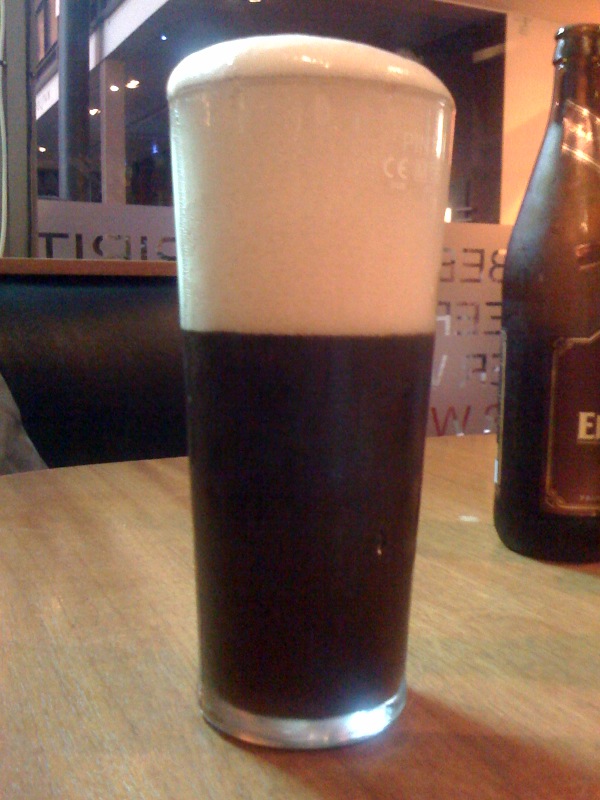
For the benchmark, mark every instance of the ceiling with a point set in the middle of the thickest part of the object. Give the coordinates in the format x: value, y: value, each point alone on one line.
x: 191, y: 24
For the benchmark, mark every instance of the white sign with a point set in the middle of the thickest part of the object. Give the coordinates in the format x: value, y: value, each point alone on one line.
x: 466, y: 363
x: 98, y: 230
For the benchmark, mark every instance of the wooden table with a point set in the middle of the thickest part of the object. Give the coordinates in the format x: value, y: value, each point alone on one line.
x: 98, y: 658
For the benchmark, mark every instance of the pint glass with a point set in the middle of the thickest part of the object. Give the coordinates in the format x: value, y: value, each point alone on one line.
x: 310, y: 181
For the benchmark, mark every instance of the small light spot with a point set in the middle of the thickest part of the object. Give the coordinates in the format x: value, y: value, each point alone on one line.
x: 468, y: 518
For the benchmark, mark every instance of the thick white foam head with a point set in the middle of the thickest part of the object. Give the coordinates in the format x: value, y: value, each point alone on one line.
x: 310, y: 180
x: 298, y: 55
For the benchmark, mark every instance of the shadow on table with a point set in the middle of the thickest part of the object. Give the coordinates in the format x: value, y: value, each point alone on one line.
x: 589, y: 569
x: 434, y: 753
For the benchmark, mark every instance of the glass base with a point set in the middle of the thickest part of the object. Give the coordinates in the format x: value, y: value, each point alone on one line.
x: 301, y: 734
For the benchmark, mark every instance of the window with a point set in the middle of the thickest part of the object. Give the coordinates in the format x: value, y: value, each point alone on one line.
x: 99, y: 8
x: 46, y: 23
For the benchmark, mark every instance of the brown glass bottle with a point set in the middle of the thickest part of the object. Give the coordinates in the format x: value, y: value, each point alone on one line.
x: 547, y: 502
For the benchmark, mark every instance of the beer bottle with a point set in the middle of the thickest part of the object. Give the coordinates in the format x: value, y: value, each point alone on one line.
x: 547, y: 501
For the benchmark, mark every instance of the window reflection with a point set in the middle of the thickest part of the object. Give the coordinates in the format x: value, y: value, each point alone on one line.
x: 46, y: 25
x: 463, y: 46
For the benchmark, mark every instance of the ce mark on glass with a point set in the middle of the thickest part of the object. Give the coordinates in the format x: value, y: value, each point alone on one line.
x: 395, y: 170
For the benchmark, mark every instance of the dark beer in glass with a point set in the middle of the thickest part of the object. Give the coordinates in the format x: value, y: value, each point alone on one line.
x: 310, y: 181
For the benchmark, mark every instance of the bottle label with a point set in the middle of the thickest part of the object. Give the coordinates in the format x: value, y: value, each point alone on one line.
x: 572, y: 470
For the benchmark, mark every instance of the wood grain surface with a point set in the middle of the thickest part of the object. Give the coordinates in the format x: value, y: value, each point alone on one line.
x: 86, y: 266
x: 98, y: 654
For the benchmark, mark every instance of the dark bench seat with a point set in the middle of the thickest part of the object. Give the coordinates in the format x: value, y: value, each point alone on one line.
x: 94, y: 363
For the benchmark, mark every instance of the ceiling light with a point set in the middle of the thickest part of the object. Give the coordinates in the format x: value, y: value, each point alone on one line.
x: 487, y: 53
x: 94, y: 111
x: 113, y: 87
x: 132, y: 84
x: 41, y: 149
x: 163, y: 37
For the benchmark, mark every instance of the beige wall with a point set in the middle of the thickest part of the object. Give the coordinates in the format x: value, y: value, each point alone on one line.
x: 565, y: 11
x: 528, y: 79
x: 531, y: 25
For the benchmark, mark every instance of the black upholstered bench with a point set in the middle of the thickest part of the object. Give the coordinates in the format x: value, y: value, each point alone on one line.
x: 94, y: 363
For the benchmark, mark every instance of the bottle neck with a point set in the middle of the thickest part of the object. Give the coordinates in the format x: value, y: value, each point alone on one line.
x: 577, y: 63
x: 576, y: 107
x: 576, y: 81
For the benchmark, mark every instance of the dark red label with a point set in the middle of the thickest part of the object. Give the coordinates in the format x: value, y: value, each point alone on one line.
x: 572, y: 474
